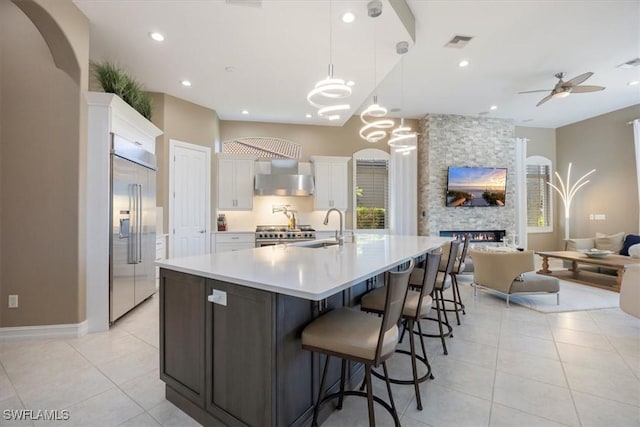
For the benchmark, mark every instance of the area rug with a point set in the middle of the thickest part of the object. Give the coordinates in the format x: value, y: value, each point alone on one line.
x: 573, y: 297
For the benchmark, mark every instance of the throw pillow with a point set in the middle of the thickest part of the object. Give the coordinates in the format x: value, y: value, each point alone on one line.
x: 629, y: 241
x: 612, y: 242
x: 634, y: 251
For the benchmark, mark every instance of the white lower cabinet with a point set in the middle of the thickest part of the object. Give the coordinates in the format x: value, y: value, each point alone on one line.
x: 234, y: 241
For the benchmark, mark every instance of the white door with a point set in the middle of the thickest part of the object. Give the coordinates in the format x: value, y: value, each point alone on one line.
x: 189, y: 193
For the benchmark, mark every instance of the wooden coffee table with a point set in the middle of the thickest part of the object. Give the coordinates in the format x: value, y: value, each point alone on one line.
x: 615, y: 262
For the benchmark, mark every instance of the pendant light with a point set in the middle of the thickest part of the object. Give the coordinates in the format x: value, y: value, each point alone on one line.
x: 372, y: 116
x: 403, y: 139
x: 329, y: 90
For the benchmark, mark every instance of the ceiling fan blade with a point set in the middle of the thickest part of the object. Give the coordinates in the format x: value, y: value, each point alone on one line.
x: 583, y: 89
x: 545, y: 99
x: 577, y: 80
x: 539, y: 90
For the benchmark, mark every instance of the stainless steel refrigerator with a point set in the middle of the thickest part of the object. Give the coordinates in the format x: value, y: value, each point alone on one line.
x: 133, y: 221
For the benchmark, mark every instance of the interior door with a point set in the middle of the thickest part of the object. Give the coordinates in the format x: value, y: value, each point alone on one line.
x: 122, y: 277
x: 190, y: 176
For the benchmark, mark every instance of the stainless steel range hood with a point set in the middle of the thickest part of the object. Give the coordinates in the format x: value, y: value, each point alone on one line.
x: 284, y: 180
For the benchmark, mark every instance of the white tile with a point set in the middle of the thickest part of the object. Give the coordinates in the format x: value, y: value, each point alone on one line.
x: 445, y: 407
x: 526, y: 328
x: 503, y: 416
x: 621, y: 388
x: 471, y: 352
x: 110, y: 408
x: 533, y: 367
x: 529, y: 345
x: 106, y: 350
x: 597, y: 412
x: 168, y: 415
x: 547, y: 401
x: 65, y: 391
x: 604, y: 360
x: 147, y: 390
x: 584, y: 339
x: 574, y: 322
x: 130, y: 366
x: 14, y: 417
x: 142, y: 420
x: 6, y: 388
x: 465, y: 377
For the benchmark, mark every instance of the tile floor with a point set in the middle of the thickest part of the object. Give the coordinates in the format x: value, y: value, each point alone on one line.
x: 506, y: 367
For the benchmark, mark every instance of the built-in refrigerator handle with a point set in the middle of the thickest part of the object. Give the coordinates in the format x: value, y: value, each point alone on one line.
x: 132, y: 249
x: 139, y: 225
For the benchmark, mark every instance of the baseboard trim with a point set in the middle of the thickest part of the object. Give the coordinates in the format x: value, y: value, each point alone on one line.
x: 71, y: 330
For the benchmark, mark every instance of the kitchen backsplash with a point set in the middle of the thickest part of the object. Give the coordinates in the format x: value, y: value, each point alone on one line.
x: 262, y: 215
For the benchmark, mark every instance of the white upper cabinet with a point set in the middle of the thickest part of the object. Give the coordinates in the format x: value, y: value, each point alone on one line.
x: 331, y: 182
x: 235, y: 182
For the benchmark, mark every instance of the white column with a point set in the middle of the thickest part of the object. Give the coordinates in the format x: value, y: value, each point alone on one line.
x: 521, y: 191
x: 636, y: 137
x: 403, y: 189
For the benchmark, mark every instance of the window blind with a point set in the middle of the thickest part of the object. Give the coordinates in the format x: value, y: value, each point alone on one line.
x: 372, y: 193
x: 538, y: 196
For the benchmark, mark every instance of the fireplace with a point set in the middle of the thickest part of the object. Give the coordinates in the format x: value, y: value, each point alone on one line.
x: 476, y: 235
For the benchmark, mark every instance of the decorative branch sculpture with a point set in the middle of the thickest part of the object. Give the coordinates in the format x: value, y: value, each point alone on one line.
x: 567, y: 192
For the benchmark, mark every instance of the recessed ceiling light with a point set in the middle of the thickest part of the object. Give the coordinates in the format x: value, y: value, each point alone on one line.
x: 463, y: 63
x: 245, y: 112
x: 308, y: 116
x: 395, y: 110
x: 230, y: 69
x: 156, y: 36
x: 348, y: 17
x: 185, y: 83
x: 633, y: 83
x: 493, y: 107
x: 350, y: 83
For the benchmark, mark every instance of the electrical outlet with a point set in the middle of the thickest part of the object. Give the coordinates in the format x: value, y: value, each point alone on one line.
x: 600, y: 217
x: 591, y: 217
x: 13, y: 301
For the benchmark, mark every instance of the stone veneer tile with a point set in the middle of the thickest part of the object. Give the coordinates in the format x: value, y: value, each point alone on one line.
x: 449, y: 140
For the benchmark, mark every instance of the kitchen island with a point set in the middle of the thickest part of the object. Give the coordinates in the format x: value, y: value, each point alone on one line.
x: 230, y: 324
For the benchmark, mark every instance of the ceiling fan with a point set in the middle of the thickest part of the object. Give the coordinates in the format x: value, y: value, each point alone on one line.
x: 563, y: 89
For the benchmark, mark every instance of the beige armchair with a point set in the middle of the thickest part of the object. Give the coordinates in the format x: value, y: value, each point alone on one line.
x: 630, y: 291
x: 510, y: 273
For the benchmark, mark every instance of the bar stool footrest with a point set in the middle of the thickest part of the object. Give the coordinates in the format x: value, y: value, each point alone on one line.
x: 448, y: 333
x: 426, y: 376
x: 381, y: 402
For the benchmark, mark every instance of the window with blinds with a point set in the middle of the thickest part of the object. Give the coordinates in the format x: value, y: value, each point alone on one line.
x: 539, y: 196
x: 372, y: 194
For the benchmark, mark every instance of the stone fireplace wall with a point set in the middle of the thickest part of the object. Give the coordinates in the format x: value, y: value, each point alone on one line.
x: 449, y: 140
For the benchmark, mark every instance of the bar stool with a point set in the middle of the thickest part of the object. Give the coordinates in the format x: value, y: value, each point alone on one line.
x: 416, y: 307
x: 353, y: 335
x: 443, y: 282
x: 457, y: 268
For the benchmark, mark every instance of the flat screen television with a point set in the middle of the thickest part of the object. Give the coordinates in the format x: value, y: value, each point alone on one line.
x: 476, y: 186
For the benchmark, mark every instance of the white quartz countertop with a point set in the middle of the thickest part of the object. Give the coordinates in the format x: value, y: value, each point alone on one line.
x: 310, y: 273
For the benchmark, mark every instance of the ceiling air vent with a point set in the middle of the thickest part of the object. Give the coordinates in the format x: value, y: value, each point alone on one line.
x: 630, y: 64
x: 458, y: 41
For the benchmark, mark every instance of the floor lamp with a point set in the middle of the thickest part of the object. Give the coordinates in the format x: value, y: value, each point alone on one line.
x: 567, y: 192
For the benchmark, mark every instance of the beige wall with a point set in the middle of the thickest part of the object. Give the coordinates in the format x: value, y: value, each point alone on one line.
x: 42, y: 138
x: 542, y: 142
x: 186, y: 122
x: 606, y: 144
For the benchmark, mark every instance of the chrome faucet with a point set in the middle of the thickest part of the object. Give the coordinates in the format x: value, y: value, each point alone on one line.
x: 340, y: 234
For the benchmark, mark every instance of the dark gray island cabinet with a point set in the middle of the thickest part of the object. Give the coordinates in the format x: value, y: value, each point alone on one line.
x: 231, y: 325
x: 241, y: 363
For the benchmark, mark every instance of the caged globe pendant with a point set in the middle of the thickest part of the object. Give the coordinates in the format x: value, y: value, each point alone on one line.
x: 327, y: 91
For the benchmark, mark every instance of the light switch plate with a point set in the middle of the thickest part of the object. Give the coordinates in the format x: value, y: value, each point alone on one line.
x: 218, y: 297
x: 13, y: 301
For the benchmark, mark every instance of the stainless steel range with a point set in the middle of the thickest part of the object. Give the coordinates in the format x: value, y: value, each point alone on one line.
x: 268, y: 235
